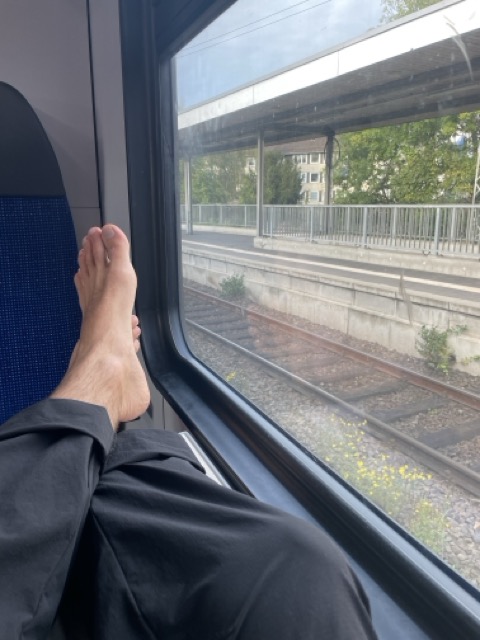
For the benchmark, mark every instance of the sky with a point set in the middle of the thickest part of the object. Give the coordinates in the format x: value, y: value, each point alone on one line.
x: 255, y: 38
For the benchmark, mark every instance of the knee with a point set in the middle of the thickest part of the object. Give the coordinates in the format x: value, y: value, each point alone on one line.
x: 272, y: 552
x: 301, y: 552
x: 285, y: 570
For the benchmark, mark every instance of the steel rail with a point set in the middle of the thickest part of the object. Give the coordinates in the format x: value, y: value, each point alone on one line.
x: 453, y: 393
x: 453, y: 471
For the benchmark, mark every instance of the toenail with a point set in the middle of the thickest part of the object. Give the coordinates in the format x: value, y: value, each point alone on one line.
x: 108, y: 233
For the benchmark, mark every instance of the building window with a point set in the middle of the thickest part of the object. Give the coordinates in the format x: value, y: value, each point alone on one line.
x: 304, y: 177
x: 314, y: 177
x: 314, y: 158
x: 314, y: 196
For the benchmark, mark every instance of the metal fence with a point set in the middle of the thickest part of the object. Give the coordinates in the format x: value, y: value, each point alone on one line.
x: 453, y: 229
x: 228, y: 215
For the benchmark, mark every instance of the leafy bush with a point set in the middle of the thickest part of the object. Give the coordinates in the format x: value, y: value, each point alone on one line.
x: 233, y: 286
x: 432, y: 344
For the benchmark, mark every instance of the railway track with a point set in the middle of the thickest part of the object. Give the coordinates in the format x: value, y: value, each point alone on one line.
x: 423, y: 417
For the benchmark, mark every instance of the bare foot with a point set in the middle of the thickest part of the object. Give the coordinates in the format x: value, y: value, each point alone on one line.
x: 104, y: 369
x: 82, y: 293
x: 81, y: 284
x: 136, y: 333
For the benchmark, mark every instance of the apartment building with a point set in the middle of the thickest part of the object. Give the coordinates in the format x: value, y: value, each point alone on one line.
x: 309, y: 156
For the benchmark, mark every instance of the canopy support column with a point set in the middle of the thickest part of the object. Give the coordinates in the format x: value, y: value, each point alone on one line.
x: 260, y: 183
x: 187, y: 171
x: 329, y: 168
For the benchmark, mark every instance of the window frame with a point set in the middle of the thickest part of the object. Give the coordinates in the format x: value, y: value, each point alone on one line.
x: 257, y: 458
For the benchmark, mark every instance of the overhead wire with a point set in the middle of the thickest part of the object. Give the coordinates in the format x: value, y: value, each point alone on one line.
x: 244, y: 26
x: 186, y: 53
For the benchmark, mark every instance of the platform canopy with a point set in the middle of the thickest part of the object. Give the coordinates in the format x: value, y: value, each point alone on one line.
x: 422, y: 66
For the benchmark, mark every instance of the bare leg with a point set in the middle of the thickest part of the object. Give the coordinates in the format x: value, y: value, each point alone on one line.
x: 105, y: 369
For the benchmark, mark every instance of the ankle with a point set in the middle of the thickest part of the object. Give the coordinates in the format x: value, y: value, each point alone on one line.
x: 95, y: 380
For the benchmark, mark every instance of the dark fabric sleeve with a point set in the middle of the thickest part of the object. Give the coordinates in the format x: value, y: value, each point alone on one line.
x: 50, y: 459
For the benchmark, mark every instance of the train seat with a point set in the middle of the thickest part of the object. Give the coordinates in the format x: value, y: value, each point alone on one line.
x: 39, y: 311
x: 40, y: 315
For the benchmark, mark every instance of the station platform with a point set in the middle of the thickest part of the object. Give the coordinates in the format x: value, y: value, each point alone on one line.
x: 318, y: 259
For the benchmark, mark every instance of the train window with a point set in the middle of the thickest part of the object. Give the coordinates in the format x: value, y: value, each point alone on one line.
x: 350, y: 316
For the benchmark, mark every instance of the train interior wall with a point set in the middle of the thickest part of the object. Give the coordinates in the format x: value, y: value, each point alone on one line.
x: 64, y: 57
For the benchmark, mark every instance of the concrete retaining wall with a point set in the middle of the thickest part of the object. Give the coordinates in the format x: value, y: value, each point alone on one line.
x: 460, y: 265
x: 378, y: 313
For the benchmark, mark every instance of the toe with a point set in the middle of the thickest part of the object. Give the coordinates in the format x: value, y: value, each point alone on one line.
x: 86, y: 257
x: 116, y: 243
x: 98, y: 248
x: 82, y: 261
x: 80, y: 289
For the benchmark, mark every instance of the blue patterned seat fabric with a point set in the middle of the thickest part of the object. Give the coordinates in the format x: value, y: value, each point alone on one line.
x: 39, y: 311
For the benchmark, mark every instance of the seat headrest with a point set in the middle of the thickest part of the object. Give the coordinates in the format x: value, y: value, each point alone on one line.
x: 28, y: 166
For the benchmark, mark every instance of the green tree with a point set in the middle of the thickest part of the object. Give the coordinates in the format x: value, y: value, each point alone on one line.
x: 248, y: 188
x: 394, y: 9
x: 216, y: 178
x: 415, y: 162
x: 282, y: 181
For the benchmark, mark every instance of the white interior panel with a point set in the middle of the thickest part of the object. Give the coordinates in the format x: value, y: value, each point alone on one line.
x: 48, y: 62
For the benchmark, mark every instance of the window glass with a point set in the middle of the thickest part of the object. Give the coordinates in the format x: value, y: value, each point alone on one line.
x: 349, y: 311
x: 230, y: 43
